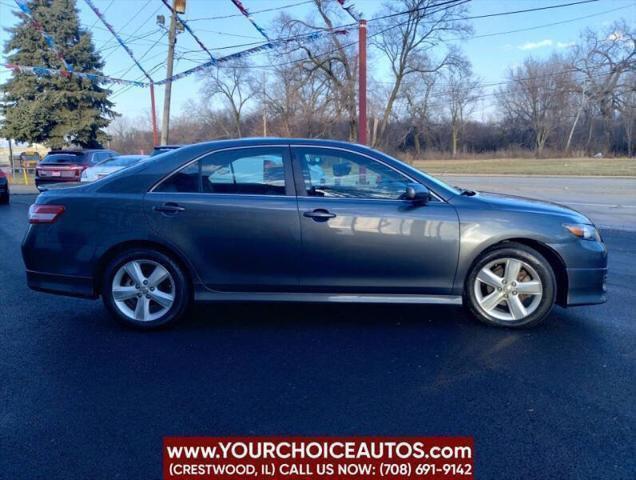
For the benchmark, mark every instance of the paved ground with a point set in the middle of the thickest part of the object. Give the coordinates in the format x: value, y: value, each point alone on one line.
x: 609, y: 202
x: 81, y: 397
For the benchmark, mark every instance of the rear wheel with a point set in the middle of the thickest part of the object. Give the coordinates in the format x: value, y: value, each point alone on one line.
x: 145, y: 288
x: 4, y: 198
x: 510, y: 286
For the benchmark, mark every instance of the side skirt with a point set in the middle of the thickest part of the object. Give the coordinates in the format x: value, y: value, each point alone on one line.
x: 201, y: 295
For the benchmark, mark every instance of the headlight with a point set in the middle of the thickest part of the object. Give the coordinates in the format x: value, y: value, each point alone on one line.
x: 583, y: 231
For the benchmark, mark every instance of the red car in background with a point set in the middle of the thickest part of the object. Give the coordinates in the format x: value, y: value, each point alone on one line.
x: 67, y: 165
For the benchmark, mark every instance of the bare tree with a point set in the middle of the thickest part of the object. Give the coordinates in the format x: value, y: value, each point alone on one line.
x: 602, y: 59
x: 536, y: 94
x: 234, y: 83
x: 418, y: 93
x: 460, y: 94
x: 409, y: 41
x: 627, y: 107
x: 332, y: 58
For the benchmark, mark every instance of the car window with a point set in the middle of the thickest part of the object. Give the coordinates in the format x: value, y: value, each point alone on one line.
x: 99, y: 157
x: 341, y: 174
x: 186, y: 180
x: 63, y: 158
x: 253, y: 171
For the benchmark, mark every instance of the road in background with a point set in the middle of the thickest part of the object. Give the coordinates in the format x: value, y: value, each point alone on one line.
x: 609, y: 202
x: 82, y: 397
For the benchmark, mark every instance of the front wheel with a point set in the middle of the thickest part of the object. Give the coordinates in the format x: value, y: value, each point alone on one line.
x: 510, y: 286
x: 145, y: 288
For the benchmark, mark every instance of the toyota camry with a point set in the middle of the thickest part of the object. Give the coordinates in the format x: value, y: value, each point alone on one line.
x: 306, y: 220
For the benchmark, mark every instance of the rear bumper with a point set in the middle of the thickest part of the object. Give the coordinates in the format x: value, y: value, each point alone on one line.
x: 50, y: 180
x: 72, y: 286
x: 587, y: 286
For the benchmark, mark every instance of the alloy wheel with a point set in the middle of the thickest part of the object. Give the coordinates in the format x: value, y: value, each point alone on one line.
x: 143, y: 290
x: 508, y: 289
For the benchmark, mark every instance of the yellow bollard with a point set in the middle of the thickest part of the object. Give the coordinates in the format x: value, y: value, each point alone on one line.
x: 26, y: 178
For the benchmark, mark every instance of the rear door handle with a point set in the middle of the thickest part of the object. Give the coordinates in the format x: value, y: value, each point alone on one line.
x: 168, y: 208
x: 319, y: 215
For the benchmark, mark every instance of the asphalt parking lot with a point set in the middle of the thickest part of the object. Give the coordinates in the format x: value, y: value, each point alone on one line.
x: 81, y: 397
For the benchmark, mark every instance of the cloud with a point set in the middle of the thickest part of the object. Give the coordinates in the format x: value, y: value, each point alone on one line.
x: 533, y: 45
x: 545, y: 43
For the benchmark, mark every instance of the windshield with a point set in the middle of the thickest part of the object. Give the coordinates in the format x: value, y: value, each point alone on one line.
x: 63, y: 158
x: 435, y: 181
x: 121, y: 161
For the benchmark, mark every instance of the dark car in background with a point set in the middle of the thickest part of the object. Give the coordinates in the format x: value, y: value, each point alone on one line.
x: 4, y: 188
x: 306, y: 220
x: 60, y: 166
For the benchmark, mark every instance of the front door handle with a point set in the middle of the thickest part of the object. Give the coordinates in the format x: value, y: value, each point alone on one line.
x: 319, y: 215
x: 168, y: 208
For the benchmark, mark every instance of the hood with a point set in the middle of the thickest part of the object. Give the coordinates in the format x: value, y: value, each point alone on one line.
x: 530, y: 205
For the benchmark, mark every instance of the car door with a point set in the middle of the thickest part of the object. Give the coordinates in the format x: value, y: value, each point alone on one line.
x: 359, y: 236
x: 233, y: 214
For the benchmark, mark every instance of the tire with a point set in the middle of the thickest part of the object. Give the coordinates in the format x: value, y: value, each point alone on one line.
x: 512, y: 308
x: 165, y: 297
x: 4, y: 199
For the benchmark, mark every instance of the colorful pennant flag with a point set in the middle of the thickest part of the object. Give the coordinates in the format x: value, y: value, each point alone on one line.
x: 51, y: 72
x: 247, y: 15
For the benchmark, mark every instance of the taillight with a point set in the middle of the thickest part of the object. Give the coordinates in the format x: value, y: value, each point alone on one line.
x: 2, y: 174
x: 45, y: 213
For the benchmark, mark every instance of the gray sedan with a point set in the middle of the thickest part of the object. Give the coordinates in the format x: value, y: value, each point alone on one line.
x: 306, y: 220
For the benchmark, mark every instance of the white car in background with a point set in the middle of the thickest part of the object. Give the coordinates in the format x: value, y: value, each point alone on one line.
x: 110, y: 166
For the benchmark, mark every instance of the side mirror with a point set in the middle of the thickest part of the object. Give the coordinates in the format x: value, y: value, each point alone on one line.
x: 417, y: 193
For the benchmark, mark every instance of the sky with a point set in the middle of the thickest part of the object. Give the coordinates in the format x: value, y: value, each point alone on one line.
x: 492, y: 49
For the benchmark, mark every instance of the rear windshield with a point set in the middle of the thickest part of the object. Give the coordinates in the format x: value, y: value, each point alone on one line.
x: 64, y: 158
x: 121, y: 162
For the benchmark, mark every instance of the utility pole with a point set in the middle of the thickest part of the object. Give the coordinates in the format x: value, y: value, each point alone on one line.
x: 172, y: 39
x: 362, y: 82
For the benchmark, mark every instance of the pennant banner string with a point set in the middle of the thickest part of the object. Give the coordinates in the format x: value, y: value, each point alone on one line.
x: 351, y: 10
x: 50, y: 72
x: 117, y: 37
x: 22, y: 5
x: 247, y: 15
x: 243, y: 53
x: 187, y: 27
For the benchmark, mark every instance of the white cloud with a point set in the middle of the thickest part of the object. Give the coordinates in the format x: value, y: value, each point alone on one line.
x: 565, y: 44
x: 533, y: 45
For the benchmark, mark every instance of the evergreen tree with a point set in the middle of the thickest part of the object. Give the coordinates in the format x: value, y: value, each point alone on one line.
x: 55, y: 110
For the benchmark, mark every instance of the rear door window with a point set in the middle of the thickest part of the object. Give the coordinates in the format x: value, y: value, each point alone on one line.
x: 246, y: 171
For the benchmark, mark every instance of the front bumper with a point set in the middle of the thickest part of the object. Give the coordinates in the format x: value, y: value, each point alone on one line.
x: 586, y: 286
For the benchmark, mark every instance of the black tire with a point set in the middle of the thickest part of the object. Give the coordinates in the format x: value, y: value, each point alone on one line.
x: 182, y: 288
x: 535, y: 260
x: 4, y: 198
